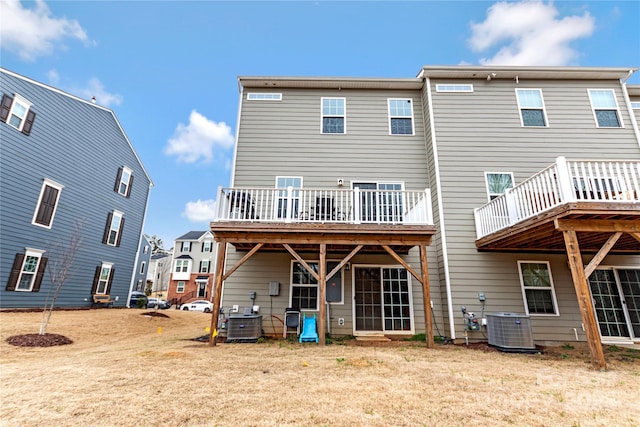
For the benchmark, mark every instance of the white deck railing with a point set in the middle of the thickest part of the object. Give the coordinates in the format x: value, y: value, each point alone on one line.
x: 563, y: 182
x: 302, y: 205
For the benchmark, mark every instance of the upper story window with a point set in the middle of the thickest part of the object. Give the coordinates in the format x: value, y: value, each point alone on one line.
x: 333, y: 115
x: 605, y: 108
x: 124, y: 181
x: 537, y: 287
x: 113, y: 230
x: 255, y: 96
x: 498, y: 183
x: 400, y: 116
x: 531, y: 105
x: 16, y: 112
x: 205, y: 265
x: 182, y: 266
x: 47, y: 203
x: 454, y: 88
x: 145, y: 250
x: 143, y: 267
x: 635, y: 105
x: 186, y: 246
x: 206, y: 246
x: 27, y: 271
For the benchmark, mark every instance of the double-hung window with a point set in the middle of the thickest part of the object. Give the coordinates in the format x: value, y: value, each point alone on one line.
x: 47, y: 203
x: 113, y: 230
x: 531, y: 105
x: 498, y: 183
x: 205, y: 266
x: 16, y: 112
x: 182, y: 265
x: 333, y: 115
x: 537, y: 287
x: 104, y: 278
x: 186, y: 246
x: 605, y: 108
x: 400, y: 116
x: 206, y: 246
x: 304, y: 287
x: 180, y: 287
x: 27, y: 271
x: 124, y: 181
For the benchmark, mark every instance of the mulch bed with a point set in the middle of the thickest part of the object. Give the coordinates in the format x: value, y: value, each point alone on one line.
x: 154, y: 314
x: 37, y: 340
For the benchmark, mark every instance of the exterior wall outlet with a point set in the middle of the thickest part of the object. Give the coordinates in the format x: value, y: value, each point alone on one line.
x: 340, y: 321
x: 484, y: 321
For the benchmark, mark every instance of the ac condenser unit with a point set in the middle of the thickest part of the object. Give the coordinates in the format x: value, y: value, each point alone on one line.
x: 247, y: 328
x: 510, y: 332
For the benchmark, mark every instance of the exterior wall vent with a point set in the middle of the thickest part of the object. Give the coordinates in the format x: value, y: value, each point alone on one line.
x: 510, y: 332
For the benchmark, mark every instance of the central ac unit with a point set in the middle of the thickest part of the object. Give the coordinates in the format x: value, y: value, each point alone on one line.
x: 247, y: 328
x: 510, y: 332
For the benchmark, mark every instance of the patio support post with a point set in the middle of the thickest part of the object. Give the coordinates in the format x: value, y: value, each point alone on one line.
x: 220, y: 258
x: 322, y: 270
x: 565, y: 184
x: 584, y: 299
x: 426, y: 295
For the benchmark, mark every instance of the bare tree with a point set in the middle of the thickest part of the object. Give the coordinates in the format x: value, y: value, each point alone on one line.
x: 59, y: 268
x: 157, y: 245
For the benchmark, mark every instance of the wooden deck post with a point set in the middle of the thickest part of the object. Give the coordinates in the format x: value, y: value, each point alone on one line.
x: 322, y: 270
x: 584, y: 299
x: 426, y: 295
x: 220, y: 258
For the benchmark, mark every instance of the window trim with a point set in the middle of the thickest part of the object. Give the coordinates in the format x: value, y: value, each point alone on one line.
x: 118, y: 233
x: 316, y: 285
x: 594, y: 109
x: 143, y: 266
x: 412, y: 117
x: 264, y: 96
x: 184, y: 267
x: 207, y: 246
x: 186, y: 246
x: 30, y: 252
x: 120, y: 181
x: 635, y: 105
x: 551, y: 288
x: 104, y: 266
x: 47, y: 183
x: 276, y: 207
x: 524, y: 107
x: 335, y: 116
x: 19, y: 100
x: 454, y: 88
x: 180, y: 287
x: 205, y: 266
x: 486, y: 183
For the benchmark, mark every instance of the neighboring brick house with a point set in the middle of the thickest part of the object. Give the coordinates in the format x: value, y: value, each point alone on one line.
x: 192, y: 268
x: 69, y: 173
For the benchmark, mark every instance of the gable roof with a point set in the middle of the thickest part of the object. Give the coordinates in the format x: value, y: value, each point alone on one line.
x: 194, y: 235
x: 115, y: 118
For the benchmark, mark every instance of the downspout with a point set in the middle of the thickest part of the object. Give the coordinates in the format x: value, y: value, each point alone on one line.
x: 135, y: 263
x: 445, y: 257
x: 627, y: 101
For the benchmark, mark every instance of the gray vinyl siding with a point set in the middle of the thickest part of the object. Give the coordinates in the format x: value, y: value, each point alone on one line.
x: 284, y: 138
x: 481, y: 132
x: 81, y: 147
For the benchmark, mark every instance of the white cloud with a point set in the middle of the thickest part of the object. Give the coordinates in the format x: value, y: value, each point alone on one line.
x: 34, y: 32
x: 95, y: 88
x: 54, y: 77
x: 198, y: 139
x: 530, y: 34
x: 200, y: 210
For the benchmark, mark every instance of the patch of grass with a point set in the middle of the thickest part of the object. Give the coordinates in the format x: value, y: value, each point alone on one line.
x: 417, y: 337
x: 564, y: 356
x: 567, y: 347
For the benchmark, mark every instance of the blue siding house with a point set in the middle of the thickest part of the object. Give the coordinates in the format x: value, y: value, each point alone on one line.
x: 70, y: 178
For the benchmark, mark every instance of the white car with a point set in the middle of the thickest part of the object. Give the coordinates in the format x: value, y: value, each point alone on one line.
x: 198, y: 305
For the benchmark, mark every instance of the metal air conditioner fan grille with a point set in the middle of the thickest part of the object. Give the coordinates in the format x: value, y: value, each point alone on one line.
x: 244, y: 328
x: 510, y: 332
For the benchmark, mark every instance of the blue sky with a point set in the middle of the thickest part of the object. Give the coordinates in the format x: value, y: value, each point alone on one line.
x: 169, y: 68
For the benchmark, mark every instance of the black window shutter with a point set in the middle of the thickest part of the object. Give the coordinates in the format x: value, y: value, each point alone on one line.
x: 200, y: 267
x: 120, y: 232
x: 116, y: 187
x: 40, y: 274
x: 209, y: 267
x: 111, y: 274
x: 105, y: 237
x: 28, y: 122
x: 202, y: 248
x: 47, y: 205
x: 130, y: 185
x: 5, y: 107
x: 15, y: 270
x: 96, y: 277
x: 181, y: 246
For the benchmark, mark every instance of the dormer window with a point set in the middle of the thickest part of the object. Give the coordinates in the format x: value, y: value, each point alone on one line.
x: 16, y: 112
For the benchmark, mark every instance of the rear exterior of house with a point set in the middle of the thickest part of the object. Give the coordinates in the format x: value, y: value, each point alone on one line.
x: 532, y: 175
x: 192, y: 268
x: 69, y: 175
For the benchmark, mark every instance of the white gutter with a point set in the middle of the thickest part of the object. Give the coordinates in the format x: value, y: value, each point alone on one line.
x: 445, y: 258
x: 627, y: 101
x: 135, y: 263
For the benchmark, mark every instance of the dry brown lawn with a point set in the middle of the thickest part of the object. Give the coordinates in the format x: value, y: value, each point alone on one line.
x: 125, y: 369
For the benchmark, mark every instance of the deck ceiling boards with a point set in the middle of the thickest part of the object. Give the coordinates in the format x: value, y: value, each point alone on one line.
x: 339, y: 238
x: 539, y: 234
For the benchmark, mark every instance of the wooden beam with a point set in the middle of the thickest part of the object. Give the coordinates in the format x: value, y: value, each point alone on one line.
x: 584, y: 299
x: 220, y: 257
x: 595, y: 262
x: 344, y: 261
x: 301, y: 261
x: 242, y: 261
x: 426, y: 296
x: 598, y: 225
x: 636, y: 236
x: 403, y: 263
x: 322, y: 268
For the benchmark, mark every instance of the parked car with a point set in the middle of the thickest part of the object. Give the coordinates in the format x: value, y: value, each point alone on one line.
x: 160, y: 303
x: 137, y: 300
x: 198, y: 305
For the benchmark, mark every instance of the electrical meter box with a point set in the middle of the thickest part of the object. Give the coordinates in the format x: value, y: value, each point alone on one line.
x: 274, y: 289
